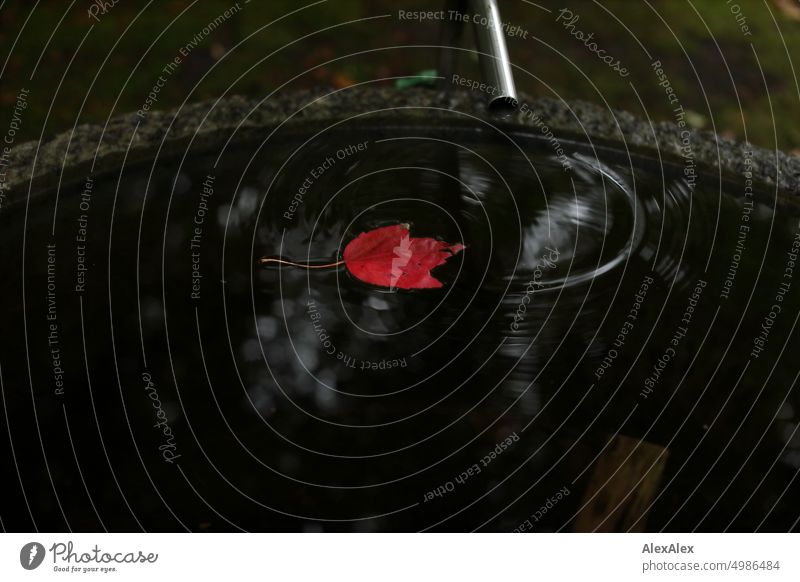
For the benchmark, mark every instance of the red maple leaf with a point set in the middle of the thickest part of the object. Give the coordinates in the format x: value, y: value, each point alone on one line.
x: 390, y: 257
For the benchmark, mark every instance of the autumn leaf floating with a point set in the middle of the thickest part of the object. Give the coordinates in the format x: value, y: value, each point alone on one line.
x: 390, y: 257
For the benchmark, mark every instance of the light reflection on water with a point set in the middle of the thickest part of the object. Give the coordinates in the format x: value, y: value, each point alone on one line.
x: 280, y: 430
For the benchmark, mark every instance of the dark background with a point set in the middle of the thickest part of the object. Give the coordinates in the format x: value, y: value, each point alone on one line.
x: 82, y: 71
x: 741, y: 86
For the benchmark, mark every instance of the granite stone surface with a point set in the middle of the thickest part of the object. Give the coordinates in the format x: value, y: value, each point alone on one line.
x: 208, y: 124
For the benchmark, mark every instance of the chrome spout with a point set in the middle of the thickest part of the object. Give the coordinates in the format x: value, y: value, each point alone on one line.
x: 490, y: 42
x: 493, y: 55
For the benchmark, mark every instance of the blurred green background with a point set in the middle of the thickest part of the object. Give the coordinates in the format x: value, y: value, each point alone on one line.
x: 79, y: 70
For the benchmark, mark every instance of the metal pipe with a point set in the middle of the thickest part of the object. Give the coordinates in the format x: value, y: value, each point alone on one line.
x: 450, y: 34
x: 493, y: 55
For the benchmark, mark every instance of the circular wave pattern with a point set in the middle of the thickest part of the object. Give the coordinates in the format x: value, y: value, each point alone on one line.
x: 618, y: 316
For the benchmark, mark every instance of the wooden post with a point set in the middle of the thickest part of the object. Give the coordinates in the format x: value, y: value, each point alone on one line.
x: 624, y: 482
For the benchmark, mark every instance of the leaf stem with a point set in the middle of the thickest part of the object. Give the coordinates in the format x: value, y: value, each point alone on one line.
x: 267, y: 260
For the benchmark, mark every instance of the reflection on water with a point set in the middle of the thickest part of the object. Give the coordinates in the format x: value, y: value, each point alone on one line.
x: 201, y: 391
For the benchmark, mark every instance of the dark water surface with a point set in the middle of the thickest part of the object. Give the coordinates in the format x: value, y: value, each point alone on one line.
x: 155, y: 377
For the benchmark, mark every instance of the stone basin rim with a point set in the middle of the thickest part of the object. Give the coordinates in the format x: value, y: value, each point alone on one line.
x: 72, y: 152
